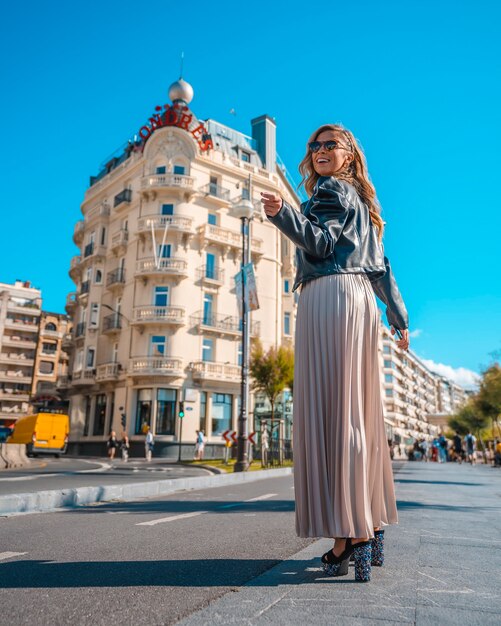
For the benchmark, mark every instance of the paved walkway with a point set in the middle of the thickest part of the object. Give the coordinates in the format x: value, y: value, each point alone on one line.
x: 443, y: 564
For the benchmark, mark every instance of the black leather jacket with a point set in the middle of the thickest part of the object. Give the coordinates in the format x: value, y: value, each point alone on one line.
x: 334, y: 234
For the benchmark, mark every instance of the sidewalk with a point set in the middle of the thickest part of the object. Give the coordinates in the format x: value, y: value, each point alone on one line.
x: 442, y: 564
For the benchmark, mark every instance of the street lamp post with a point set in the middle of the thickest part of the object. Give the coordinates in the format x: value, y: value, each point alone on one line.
x: 244, y: 210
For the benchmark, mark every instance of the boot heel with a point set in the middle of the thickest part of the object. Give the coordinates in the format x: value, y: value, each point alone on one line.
x: 337, y: 565
x: 377, y: 558
x: 362, y: 555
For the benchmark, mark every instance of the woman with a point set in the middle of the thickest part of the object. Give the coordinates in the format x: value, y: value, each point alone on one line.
x: 342, y: 470
x: 112, y: 444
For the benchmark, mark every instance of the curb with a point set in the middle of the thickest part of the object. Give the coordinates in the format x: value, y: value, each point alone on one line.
x: 44, y: 501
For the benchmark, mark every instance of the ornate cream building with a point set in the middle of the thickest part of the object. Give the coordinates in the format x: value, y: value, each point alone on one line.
x: 155, y: 308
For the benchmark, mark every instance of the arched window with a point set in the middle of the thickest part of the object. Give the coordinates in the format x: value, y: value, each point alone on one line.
x: 50, y: 326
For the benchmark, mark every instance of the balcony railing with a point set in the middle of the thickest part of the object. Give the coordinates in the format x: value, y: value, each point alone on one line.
x: 85, y: 287
x: 80, y: 329
x: 170, y: 267
x: 107, y: 371
x: 78, y: 232
x: 71, y: 301
x: 84, y: 377
x: 211, y: 370
x: 216, y: 191
x: 100, y: 210
x: 210, y: 274
x: 179, y: 223
x: 112, y: 322
x: 159, y: 314
x: 156, y: 365
x: 123, y: 196
x: 173, y: 181
x: 67, y: 342
x: 75, y: 265
x: 221, y: 324
x: 228, y: 238
x: 63, y: 382
x: 116, y: 277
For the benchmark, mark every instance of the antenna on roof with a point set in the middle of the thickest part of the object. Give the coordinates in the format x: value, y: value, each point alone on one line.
x: 182, y: 60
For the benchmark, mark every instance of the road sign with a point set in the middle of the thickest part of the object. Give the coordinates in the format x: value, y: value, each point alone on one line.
x: 225, y: 435
x: 234, y: 436
x: 188, y: 408
x: 251, y: 438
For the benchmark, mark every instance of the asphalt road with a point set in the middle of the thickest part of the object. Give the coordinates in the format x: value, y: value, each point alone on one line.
x: 149, y: 562
x: 43, y: 475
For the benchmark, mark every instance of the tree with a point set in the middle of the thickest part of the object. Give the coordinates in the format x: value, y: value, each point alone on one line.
x: 469, y: 418
x: 272, y: 371
x: 488, y: 398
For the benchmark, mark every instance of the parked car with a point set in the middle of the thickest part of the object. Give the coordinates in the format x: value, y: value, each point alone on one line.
x: 43, y: 433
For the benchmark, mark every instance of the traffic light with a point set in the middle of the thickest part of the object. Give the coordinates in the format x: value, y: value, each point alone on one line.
x: 181, y: 409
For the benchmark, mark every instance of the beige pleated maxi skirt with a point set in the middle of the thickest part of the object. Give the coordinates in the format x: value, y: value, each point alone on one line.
x: 343, y: 478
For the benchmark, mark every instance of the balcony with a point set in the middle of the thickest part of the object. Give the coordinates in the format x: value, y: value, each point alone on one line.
x: 50, y: 334
x: 80, y: 330
x: 119, y: 242
x: 19, y: 342
x: 221, y: 325
x: 156, y: 366
x: 175, y: 267
x: 107, y: 371
x: 112, y: 323
x: 211, y: 370
x: 24, y: 309
x: 78, y: 232
x: 178, y: 223
x: 14, y: 395
x: 84, y: 377
x: 101, y: 210
x: 216, y: 194
x: 71, y: 302
x: 93, y: 250
x: 210, y: 276
x: 84, y: 288
x: 115, y: 279
x: 75, y: 267
x: 174, y: 315
x: 125, y: 196
x: 62, y: 382
x: 15, y: 377
x: 154, y: 183
x: 227, y: 239
x: 67, y: 342
x: 14, y: 358
x: 20, y: 324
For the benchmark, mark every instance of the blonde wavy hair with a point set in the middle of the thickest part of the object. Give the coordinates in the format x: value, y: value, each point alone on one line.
x: 354, y: 173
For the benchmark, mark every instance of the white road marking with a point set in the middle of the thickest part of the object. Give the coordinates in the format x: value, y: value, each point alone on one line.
x: 265, y: 497
x: 28, y: 477
x: 102, y: 467
x: 171, y: 518
x: 10, y: 555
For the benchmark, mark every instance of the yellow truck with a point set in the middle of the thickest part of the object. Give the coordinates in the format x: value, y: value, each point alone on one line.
x: 43, y: 433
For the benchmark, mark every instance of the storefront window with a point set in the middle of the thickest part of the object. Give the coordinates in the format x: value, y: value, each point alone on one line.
x: 203, y: 411
x: 221, y: 412
x: 166, y: 412
x: 143, y: 410
x: 99, y: 414
x: 87, y: 416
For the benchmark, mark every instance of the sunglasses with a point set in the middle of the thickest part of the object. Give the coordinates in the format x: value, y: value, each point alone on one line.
x: 315, y: 146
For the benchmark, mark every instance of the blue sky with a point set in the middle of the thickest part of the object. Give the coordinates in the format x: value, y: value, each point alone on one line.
x: 417, y: 83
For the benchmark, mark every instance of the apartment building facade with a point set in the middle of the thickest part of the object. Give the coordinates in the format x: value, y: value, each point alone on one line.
x: 20, y: 313
x: 155, y: 316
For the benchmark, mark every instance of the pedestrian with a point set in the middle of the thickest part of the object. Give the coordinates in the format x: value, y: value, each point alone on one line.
x: 342, y: 469
x: 149, y: 442
x: 442, y: 449
x: 470, y: 441
x: 199, y: 445
x: 112, y: 444
x: 423, y: 444
x: 457, y: 446
x: 265, y: 446
x: 124, y: 446
x: 497, y: 453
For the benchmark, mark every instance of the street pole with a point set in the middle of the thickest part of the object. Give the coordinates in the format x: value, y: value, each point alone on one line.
x: 180, y: 439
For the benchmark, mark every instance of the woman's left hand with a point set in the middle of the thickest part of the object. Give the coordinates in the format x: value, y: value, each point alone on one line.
x: 272, y: 203
x: 403, y: 343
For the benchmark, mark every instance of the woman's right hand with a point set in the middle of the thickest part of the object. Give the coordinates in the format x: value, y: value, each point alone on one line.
x: 272, y: 203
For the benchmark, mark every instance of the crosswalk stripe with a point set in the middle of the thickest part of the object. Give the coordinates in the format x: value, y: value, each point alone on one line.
x: 10, y: 555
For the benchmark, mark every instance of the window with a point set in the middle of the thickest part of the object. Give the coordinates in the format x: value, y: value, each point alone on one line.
x: 50, y: 326
x: 166, y: 412
x: 240, y: 354
x: 388, y: 392
x: 213, y: 186
x: 158, y: 345
x: 167, y: 209
x: 221, y: 412
x: 388, y: 378
x: 79, y: 360
x: 103, y: 236
x: 164, y: 251
x: 246, y: 156
x: 99, y: 414
x: 212, y: 219
x: 99, y: 277
x: 208, y: 307
x: 210, y: 265
x: 208, y: 350
x: 143, y: 410
x: 287, y: 323
x: 203, y: 411
x: 91, y: 353
x: 245, y: 193
x: 179, y: 169
x: 160, y: 169
x: 49, y: 348
x: 88, y: 405
x: 386, y: 349
x: 388, y: 364
x: 161, y: 296
x: 114, y: 353
x: 46, y: 367
x: 94, y: 315
x: 286, y: 286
